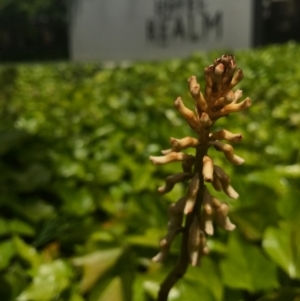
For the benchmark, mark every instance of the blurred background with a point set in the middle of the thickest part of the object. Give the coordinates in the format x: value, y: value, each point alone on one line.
x: 80, y: 216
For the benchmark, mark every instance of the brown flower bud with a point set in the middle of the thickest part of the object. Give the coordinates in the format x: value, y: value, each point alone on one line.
x: 205, y: 120
x: 207, y: 202
x: 219, y: 69
x: 203, y: 249
x: 187, y: 165
x: 216, y: 184
x: 170, y: 157
x: 208, y: 169
x: 225, y: 135
x: 227, y: 149
x: 174, y: 226
x: 225, y: 180
x: 195, y: 91
x: 172, y: 180
x: 191, y: 194
x: 222, y: 218
x: 187, y: 114
x: 181, y: 144
x: 208, y: 223
x: 194, y: 241
x: 238, y: 76
x: 237, y: 95
x: 234, y: 107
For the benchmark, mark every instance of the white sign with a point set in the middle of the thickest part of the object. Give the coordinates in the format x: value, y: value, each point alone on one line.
x: 157, y: 29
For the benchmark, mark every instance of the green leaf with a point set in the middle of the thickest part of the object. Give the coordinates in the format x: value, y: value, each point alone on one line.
x: 270, y: 178
x: 49, y: 281
x: 17, y: 226
x: 27, y: 252
x: 206, y: 276
x: 76, y: 297
x: 7, y: 252
x: 283, y: 246
x: 138, y: 290
x: 288, y: 205
x: 4, y: 227
x: 148, y: 239
x: 76, y: 201
x: 94, y: 265
x: 109, y: 173
x: 113, y: 291
x: 152, y: 288
x: 9, y: 139
x: 192, y: 292
x: 245, y: 267
x: 283, y: 294
x: 16, y: 278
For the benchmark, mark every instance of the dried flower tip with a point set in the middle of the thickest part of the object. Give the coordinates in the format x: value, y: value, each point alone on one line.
x: 223, y: 209
x: 208, y: 71
x: 207, y: 202
x: 219, y: 69
x: 164, y: 245
x: 208, y: 224
x: 230, y: 66
x: 226, y: 224
x: 231, y: 192
x: 181, y: 144
x: 172, y: 180
x: 217, y: 78
x: 234, y: 107
x: 186, y: 113
x: 191, y: 194
x: 170, y: 157
x: 166, y: 151
x: 230, y: 97
x: 160, y: 257
x: 205, y: 120
x: 208, y: 169
x: 209, y: 227
x: 203, y: 248
x: 195, y: 91
x: 194, y: 87
x: 225, y: 135
x: 238, y: 76
x: 224, y: 59
x: 237, y: 95
x: 225, y: 180
x: 222, y: 219
x: 227, y: 149
x: 194, y: 241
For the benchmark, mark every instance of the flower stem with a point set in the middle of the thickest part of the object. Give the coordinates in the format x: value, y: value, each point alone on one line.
x: 183, y: 261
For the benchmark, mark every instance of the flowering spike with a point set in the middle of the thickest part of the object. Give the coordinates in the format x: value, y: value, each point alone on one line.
x: 200, y: 207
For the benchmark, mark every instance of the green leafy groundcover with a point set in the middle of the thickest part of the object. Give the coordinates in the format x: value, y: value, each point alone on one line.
x: 80, y: 215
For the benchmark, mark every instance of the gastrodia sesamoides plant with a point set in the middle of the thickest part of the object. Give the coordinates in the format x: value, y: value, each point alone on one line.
x: 194, y: 214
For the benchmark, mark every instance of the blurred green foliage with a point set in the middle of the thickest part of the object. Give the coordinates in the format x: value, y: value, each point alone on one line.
x: 80, y: 215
